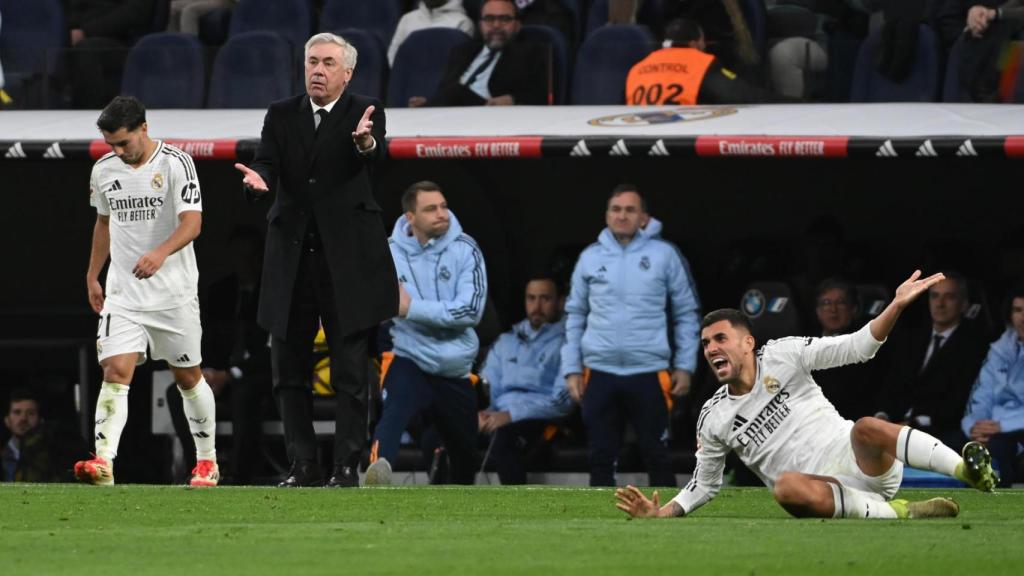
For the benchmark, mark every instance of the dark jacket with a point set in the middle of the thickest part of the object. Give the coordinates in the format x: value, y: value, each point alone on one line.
x: 522, y: 71
x: 320, y: 175
x: 123, y: 19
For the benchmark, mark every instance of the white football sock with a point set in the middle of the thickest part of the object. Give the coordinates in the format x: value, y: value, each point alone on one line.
x: 200, y: 409
x: 924, y: 451
x: 111, y: 416
x: 852, y: 503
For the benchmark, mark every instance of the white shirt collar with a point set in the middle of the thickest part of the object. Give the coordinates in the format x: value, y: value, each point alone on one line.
x: 328, y: 107
x: 945, y: 334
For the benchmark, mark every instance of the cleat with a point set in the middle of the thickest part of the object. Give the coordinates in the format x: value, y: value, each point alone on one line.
x: 976, y: 469
x: 97, y: 471
x: 378, y: 473
x: 205, y: 474
x: 932, y: 508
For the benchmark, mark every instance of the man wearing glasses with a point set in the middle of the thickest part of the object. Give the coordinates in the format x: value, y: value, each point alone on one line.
x: 496, y: 69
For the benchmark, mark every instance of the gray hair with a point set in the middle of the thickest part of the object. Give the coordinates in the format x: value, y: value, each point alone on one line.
x: 348, y: 51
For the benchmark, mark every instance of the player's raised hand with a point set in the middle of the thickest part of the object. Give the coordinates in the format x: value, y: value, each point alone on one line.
x: 252, y: 180
x: 95, y: 295
x: 633, y: 502
x: 913, y: 287
x: 362, y: 136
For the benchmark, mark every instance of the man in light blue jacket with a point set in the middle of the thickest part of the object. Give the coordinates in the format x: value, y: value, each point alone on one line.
x: 526, y: 391
x: 995, y: 410
x: 442, y: 290
x: 629, y: 289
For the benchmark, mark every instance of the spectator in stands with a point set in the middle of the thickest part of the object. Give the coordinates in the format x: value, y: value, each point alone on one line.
x: 551, y: 13
x: 931, y: 370
x: 526, y: 391
x: 850, y: 388
x: 683, y: 73
x: 728, y: 36
x: 430, y: 14
x: 630, y: 291
x: 35, y: 452
x: 995, y: 411
x: 442, y: 290
x: 236, y: 357
x: 185, y: 14
x: 100, y: 32
x: 495, y: 70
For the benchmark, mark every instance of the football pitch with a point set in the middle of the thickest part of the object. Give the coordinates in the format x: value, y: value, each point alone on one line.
x: 136, y: 530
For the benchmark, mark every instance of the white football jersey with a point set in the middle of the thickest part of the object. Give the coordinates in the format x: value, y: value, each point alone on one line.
x: 143, y: 205
x: 784, y: 424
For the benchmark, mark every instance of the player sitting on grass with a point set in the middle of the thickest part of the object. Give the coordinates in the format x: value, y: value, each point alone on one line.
x: 775, y: 417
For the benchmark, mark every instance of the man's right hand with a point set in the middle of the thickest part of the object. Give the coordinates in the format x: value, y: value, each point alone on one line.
x: 252, y: 180
x: 978, y: 19
x: 984, y: 429
x: 404, y: 301
x: 416, y: 101
x: 95, y: 295
x: 574, y: 382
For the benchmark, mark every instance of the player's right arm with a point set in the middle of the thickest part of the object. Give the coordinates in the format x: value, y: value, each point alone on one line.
x: 97, y: 258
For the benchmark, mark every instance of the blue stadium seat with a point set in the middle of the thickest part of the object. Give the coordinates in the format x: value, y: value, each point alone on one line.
x: 772, y: 309
x: 30, y: 38
x: 166, y: 70
x: 604, y: 61
x: 922, y: 83
x: 952, y: 91
x: 377, y: 16
x: 559, y: 56
x: 370, y: 77
x: 292, y: 19
x: 420, y: 64
x: 252, y: 70
x: 597, y: 14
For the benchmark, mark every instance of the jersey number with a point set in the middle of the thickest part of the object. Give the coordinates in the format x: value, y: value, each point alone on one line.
x: 652, y: 94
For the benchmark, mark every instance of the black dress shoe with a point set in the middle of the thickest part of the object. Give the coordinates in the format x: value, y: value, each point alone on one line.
x: 343, y: 477
x: 303, y: 473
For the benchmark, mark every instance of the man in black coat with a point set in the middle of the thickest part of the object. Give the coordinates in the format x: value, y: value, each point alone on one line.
x: 496, y: 70
x: 326, y: 257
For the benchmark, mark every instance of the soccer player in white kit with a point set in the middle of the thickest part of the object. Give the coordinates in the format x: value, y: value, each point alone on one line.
x: 775, y: 417
x: 148, y: 211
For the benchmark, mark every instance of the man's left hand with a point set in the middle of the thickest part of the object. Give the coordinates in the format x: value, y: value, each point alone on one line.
x: 494, y: 420
x: 680, y: 383
x: 148, y: 264
x: 362, y: 136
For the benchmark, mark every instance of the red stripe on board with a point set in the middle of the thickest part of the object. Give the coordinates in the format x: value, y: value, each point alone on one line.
x: 528, y: 147
x: 197, y: 149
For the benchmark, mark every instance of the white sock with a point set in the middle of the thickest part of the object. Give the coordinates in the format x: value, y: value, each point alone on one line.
x: 852, y: 503
x: 200, y: 409
x: 111, y: 416
x: 924, y: 451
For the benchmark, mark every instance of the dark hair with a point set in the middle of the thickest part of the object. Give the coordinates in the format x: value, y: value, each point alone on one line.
x: 20, y: 395
x: 122, y: 112
x: 834, y: 283
x: 1014, y: 293
x: 682, y: 31
x: 627, y: 187
x: 735, y: 318
x: 515, y: 7
x: 961, y: 283
x: 412, y: 192
x: 544, y: 277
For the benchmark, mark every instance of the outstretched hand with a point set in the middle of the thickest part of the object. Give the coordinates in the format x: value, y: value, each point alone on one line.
x: 913, y: 287
x: 362, y: 136
x: 251, y: 179
x: 633, y: 502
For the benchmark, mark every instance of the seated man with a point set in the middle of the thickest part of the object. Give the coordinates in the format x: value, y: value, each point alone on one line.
x: 430, y: 14
x: 995, y: 416
x: 526, y: 391
x: 682, y: 73
x: 770, y: 412
x: 496, y: 70
x: 35, y: 452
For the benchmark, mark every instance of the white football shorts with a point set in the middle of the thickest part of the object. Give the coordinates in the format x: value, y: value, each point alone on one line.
x: 174, y: 335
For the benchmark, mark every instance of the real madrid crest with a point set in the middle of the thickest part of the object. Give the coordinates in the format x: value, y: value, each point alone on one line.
x: 157, y: 182
x: 444, y: 273
x: 772, y: 385
x: 645, y: 263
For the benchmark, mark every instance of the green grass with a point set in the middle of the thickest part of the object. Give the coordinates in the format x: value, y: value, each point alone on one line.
x: 542, y: 531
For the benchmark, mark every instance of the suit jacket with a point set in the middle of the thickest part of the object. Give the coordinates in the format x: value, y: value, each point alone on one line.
x: 522, y: 71
x: 939, y: 391
x: 321, y: 175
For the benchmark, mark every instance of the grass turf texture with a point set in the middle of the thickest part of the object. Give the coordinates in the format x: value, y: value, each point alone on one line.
x: 136, y: 530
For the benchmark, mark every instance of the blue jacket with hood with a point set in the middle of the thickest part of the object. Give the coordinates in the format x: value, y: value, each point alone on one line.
x: 998, y: 393
x: 522, y: 369
x: 620, y: 304
x: 447, y: 281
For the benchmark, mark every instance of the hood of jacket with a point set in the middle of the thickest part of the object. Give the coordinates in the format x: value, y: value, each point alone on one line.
x: 643, y: 236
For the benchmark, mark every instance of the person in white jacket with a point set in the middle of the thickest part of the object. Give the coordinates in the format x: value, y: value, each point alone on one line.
x: 430, y: 14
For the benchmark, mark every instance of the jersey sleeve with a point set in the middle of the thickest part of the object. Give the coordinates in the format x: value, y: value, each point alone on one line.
x: 97, y: 199
x: 184, y: 182
x: 707, y: 474
x: 830, y: 351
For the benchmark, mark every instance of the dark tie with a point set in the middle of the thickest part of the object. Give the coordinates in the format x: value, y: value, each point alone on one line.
x: 483, y: 66
x: 936, y: 344
x: 318, y: 118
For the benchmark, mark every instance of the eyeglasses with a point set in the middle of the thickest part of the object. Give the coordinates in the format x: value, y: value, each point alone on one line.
x: 497, y: 18
x: 825, y: 302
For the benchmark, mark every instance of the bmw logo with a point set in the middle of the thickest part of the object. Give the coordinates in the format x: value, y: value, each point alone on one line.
x: 752, y: 303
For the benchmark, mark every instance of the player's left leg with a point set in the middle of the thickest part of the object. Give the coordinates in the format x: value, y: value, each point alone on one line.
x: 809, y: 496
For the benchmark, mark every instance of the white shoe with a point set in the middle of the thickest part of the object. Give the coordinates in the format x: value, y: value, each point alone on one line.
x: 378, y: 473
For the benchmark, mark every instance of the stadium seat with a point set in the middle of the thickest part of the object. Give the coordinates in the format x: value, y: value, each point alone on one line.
x: 370, y: 77
x: 420, y: 64
x: 166, y: 70
x: 873, y: 298
x: 604, y: 61
x: 597, y: 14
x: 772, y: 309
x: 559, y: 56
x: 292, y: 19
x: 922, y: 83
x: 377, y: 16
x: 952, y: 91
x: 756, y: 14
x: 30, y: 38
x: 252, y: 70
